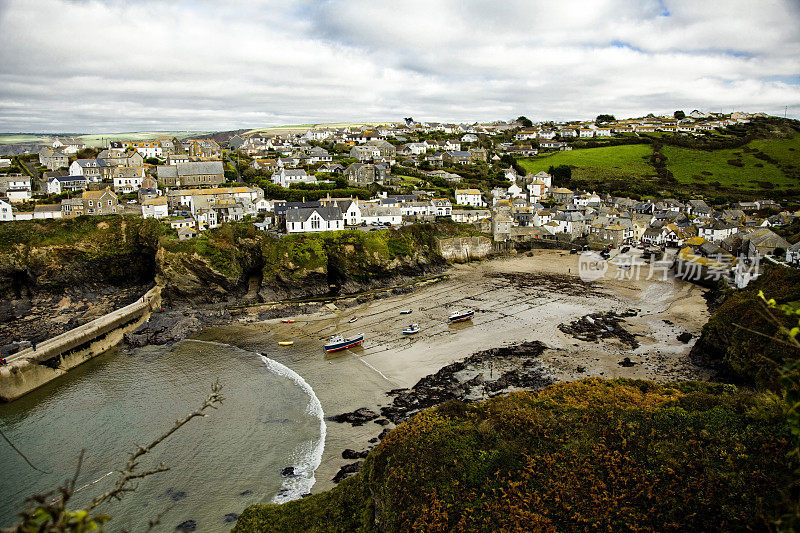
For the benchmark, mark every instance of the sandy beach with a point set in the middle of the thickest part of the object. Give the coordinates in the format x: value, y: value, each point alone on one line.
x: 516, y: 299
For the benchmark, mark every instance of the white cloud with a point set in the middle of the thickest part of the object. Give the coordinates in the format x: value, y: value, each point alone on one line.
x: 203, y: 64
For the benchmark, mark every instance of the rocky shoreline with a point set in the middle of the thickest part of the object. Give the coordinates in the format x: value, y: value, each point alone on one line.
x: 482, y: 375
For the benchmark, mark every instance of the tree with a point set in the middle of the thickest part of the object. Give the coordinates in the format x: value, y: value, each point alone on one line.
x: 680, y: 115
x: 525, y: 121
x: 562, y: 174
x: 604, y: 118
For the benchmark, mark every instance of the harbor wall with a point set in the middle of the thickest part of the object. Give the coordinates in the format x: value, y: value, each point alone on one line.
x: 463, y: 249
x: 28, y: 369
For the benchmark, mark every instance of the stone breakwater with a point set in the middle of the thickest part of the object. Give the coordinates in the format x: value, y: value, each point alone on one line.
x: 29, y: 369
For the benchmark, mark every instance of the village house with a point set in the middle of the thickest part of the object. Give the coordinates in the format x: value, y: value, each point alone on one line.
x: 457, y: 158
x: 313, y: 219
x: 6, y: 210
x: 286, y: 176
x: 68, y: 145
x: 361, y: 174
x: 127, y: 179
x: 470, y: 215
x: 191, y: 174
x: 103, y: 202
x: 442, y: 207
x: 469, y: 197
x: 52, y: 158
x: 94, y: 170
x: 61, y: 184
x: 155, y: 208
x: 186, y: 233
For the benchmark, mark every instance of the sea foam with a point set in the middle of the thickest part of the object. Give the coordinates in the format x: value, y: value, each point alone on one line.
x: 306, y: 456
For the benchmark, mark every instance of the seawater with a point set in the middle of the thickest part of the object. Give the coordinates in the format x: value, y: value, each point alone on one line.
x: 271, y: 418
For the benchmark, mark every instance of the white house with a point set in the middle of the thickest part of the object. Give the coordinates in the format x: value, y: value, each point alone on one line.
x: 442, y: 206
x: 382, y: 215
x: 313, y: 219
x: 155, y: 207
x: 286, y: 176
x: 603, y: 132
x: 60, y: 184
x: 515, y: 191
x: 126, y: 184
x: 451, y: 145
x: 469, y: 197
x: 6, y: 211
x: 469, y: 138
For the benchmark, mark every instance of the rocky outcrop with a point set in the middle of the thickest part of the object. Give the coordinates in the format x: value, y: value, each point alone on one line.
x: 172, y: 326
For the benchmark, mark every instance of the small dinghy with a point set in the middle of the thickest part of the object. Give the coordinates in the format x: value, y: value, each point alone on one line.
x: 287, y: 321
x: 411, y: 329
x: 406, y: 312
x: 353, y: 319
x: 285, y: 343
x: 338, y: 342
x: 461, y: 316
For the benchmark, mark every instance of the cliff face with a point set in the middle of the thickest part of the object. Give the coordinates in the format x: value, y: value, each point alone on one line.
x: 55, y: 255
x: 593, y: 454
x: 742, y: 339
x: 238, y: 262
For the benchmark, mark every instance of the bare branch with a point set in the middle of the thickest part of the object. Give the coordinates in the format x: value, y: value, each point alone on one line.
x: 21, y: 454
x: 127, y: 474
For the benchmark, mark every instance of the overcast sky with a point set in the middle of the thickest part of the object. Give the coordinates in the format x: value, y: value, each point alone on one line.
x: 91, y: 66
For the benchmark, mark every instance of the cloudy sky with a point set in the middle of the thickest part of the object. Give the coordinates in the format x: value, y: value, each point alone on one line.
x: 92, y: 66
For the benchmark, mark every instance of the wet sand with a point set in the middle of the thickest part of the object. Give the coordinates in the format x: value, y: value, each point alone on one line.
x: 516, y: 299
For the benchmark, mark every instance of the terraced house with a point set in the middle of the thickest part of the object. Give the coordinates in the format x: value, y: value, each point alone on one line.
x: 191, y: 174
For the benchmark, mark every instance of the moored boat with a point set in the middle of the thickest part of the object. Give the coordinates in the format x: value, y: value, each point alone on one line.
x: 285, y: 343
x: 406, y: 312
x: 287, y: 321
x: 338, y: 342
x: 411, y: 329
x: 353, y: 319
x: 462, y: 316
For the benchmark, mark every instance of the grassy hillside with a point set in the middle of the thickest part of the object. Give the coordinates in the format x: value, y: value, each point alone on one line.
x: 735, y: 168
x: 598, y: 164
x: 618, y: 455
x: 745, y: 161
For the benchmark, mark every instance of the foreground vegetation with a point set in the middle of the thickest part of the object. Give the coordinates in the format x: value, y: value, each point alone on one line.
x: 742, y: 339
x: 593, y: 454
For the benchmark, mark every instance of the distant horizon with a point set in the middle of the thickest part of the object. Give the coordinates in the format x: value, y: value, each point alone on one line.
x: 342, y: 123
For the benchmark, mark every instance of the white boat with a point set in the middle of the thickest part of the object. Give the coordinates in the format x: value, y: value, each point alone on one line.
x: 462, y: 316
x: 338, y: 342
x: 411, y: 329
x: 353, y: 319
x: 406, y: 312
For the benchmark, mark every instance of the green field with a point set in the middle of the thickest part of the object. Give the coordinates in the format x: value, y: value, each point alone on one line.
x: 597, y: 164
x: 688, y: 166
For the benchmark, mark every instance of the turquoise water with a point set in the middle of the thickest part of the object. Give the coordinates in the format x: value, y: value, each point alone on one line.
x: 219, y: 464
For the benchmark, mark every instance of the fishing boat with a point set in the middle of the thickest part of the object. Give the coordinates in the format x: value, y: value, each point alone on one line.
x: 285, y: 343
x: 411, y: 329
x: 353, y: 319
x: 338, y: 342
x: 406, y: 312
x: 461, y: 316
x: 287, y: 321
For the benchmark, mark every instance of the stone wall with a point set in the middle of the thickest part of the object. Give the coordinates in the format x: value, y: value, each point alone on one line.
x: 28, y: 369
x: 462, y: 249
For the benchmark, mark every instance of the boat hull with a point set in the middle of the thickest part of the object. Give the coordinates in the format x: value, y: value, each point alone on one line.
x: 345, y: 344
x: 463, y: 317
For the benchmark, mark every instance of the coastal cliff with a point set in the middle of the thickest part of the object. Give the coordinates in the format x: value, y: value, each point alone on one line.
x: 233, y: 264
x: 741, y: 339
x: 592, y: 454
